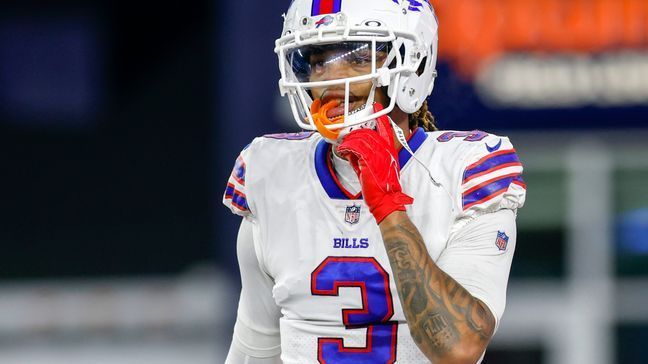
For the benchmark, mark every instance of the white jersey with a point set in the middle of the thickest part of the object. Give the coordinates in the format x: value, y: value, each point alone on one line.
x: 323, y: 253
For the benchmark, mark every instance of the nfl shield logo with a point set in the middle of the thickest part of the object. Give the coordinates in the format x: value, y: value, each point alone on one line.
x: 352, y: 215
x: 502, y: 240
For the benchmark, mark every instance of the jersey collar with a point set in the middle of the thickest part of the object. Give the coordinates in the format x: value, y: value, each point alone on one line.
x: 329, y: 180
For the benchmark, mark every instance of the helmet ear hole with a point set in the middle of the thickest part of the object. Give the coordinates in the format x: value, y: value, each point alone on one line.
x: 424, y: 63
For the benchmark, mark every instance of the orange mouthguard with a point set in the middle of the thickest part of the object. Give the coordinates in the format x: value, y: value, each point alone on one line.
x: 321, y: 120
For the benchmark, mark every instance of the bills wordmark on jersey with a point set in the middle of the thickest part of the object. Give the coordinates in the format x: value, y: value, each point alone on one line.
x: 350, y: 243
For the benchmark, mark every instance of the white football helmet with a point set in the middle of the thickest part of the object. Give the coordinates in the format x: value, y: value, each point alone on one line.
x: 382, y: 43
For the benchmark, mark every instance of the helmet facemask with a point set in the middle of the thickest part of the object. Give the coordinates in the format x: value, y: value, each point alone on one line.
x: 332, y: 86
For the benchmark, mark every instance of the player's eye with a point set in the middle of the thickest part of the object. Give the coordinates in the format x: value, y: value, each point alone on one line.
x: 360, y: 60
x: 317, y: 63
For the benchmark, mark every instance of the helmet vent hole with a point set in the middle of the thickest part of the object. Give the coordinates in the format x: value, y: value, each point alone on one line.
x: 422, y: 66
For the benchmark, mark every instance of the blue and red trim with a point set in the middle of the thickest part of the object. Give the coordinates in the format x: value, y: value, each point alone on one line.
x: 414, y: 140
x: 238, y: 173
x: 491, y: 163
x: 326, y: 7
x: 326, y: 175
x: 238, y: 198
x: 291, y: 136
x: 329, y: 180
x: 329, y: 164
x: 520, y: 182
x: 490, y: 189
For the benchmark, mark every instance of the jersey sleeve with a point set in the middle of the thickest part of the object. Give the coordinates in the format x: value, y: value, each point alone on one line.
x: 491, y: 178
x: 479, y: 257
x: 256, y: 332
x: 237, y: 356
x: 236, y: 195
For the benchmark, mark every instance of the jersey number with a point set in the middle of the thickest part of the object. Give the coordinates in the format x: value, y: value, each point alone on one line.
x: 377, y: 308
x: 469, y: 136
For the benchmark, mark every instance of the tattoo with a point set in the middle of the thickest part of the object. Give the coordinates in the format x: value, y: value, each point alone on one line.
x: 439, y: 311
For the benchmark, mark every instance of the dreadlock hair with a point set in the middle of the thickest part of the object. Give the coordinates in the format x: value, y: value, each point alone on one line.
x: 423, y: 118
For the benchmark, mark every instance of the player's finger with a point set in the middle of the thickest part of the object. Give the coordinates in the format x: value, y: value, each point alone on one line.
x: 361, y: 144
x: 360, y: 135
x: 365, y: 134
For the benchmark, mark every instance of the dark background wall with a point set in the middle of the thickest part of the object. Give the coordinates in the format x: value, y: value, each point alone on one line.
x: 106, y: 162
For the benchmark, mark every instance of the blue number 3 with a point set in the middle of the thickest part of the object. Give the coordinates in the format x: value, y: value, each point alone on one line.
x: 377, y: 308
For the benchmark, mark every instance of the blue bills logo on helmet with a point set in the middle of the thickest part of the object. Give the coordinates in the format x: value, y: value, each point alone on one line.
x: 502, y: 240
x: 352, y: 215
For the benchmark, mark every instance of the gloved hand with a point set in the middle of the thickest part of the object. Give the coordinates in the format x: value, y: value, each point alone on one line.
x: 374, y: 159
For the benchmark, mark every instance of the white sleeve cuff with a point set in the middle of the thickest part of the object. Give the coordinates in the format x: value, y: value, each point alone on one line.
x: 255, y: 343
x: 237, y: 356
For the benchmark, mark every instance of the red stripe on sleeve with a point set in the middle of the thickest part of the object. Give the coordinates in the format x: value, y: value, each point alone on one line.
x: 489, y: 156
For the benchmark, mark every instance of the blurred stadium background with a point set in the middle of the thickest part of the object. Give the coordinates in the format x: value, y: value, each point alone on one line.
x: 120, y: 121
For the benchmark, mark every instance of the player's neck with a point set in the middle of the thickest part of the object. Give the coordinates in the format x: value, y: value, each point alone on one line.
x: 401, y: 118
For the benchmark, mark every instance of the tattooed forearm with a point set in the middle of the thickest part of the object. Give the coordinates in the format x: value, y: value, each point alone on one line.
x: 442, y: 316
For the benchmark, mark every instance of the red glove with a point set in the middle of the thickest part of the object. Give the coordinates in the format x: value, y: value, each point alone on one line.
x: 374, y: 159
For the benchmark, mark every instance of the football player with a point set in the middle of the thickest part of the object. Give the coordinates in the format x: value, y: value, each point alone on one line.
x: 372, y: 237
